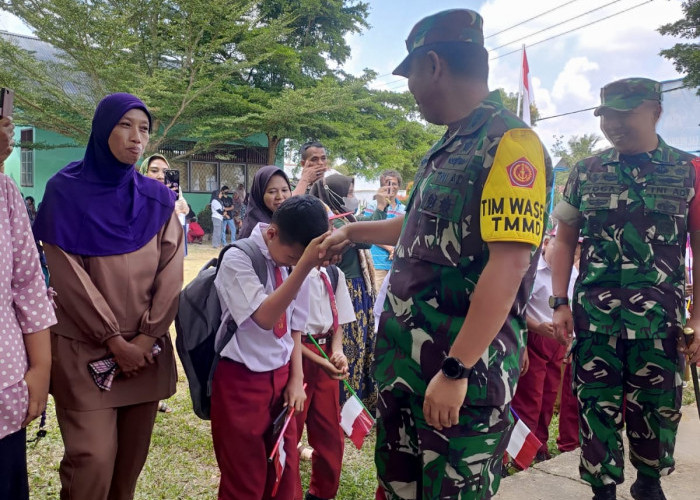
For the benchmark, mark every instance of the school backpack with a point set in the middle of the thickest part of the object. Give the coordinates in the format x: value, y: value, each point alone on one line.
x: 197, y: 321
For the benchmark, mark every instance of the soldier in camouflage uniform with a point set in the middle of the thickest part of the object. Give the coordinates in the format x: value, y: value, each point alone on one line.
x: 634, y: 205
x: 450, y: 339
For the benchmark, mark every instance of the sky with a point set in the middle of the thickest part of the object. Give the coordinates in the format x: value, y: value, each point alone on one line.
x: 566, y: 72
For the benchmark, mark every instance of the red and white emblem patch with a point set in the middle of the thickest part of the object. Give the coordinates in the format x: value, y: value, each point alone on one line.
x: 522, y: 173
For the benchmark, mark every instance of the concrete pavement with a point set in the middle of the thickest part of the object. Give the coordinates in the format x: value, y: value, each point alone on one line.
x: 558, y: 479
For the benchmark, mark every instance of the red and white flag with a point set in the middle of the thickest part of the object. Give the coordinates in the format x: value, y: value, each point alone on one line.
x: 355, y: 421
x: 523, y: 445
x: 525, y: 89
x: 279, y: 460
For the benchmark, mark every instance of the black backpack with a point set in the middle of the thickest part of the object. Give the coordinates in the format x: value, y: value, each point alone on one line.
x: 197, y: 321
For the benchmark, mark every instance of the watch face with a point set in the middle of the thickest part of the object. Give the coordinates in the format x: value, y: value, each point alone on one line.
x: 451, y: 368
x: 551, y: 301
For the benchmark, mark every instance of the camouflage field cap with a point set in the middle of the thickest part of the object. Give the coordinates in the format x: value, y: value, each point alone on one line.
x: 454, y: 25
x: 627, y: 94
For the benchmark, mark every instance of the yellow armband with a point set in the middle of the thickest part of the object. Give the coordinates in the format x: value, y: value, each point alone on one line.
x: 513, y: 202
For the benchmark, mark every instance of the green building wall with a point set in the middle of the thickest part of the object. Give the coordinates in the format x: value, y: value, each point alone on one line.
x: 63, y: 151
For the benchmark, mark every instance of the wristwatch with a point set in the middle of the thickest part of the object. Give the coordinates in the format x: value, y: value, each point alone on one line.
x: 555, y: 302
x: 453, y: 368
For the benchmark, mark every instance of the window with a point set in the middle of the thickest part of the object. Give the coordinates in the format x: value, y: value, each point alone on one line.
x: 232, y: 174
x: 203, y: 177
x: 26, y: 158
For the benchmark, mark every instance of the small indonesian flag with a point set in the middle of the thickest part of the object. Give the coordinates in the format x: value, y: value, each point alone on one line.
x: 523, y: 445
x: 355, y: 421
x: 279, y: 458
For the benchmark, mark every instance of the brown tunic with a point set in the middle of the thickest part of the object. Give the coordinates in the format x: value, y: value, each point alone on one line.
x: 100, y: 297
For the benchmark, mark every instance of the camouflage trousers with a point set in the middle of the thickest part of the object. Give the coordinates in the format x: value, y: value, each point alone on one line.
x: 635, y: 383
x: 415, y: 461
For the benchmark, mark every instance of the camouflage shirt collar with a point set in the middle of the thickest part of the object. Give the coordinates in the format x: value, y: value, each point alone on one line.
x: 474, y: 120
x: 661, y: 155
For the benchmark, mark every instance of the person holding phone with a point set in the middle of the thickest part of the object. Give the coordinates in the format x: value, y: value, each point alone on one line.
x: 117, y: 281
x: 157, y: 167
x: 386, y: 199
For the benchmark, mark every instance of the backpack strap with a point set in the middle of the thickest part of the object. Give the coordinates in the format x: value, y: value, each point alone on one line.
x: 249, y: 247
x: 334, y: 275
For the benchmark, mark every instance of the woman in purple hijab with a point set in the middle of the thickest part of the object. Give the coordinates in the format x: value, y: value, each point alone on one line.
x: 270, y: 188
x: 113, y: 246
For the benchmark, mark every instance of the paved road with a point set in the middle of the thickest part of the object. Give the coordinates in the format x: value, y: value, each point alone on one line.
x: 558, y: 479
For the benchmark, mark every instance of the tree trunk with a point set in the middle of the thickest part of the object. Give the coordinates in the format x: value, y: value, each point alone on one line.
x: 272, y: 143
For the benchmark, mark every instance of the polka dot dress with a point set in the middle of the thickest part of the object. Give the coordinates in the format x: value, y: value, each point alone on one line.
x: 24, y: 305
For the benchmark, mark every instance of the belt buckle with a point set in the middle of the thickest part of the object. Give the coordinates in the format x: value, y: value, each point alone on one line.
x: 322, y: 340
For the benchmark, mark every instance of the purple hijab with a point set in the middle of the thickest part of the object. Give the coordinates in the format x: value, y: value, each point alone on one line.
x: 99, y: 206
x: 256, y: 210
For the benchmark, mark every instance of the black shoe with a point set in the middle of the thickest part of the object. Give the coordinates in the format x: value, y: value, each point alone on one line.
x: 606, y: 492
x: 542, y: 456
x: 647, y: 488
x: 309, y: 496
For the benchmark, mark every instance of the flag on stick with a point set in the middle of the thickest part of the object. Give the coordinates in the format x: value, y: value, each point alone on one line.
x: 523, y: 444
x: 525, y: 89
x: 356, y: 421
x: 278, y: 457
x: 355, y: 418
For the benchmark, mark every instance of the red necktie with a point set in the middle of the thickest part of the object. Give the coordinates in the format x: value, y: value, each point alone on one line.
x: 331, y: 295
x: 280, y: 328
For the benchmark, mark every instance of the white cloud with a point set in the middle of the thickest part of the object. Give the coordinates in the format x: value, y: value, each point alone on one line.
x: 573, y: 82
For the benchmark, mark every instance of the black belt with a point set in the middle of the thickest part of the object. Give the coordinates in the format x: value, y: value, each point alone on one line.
x: 320, y: 340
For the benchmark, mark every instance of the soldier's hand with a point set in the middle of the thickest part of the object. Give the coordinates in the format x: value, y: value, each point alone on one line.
x: 563, y: 322
x: 334, y: 245
x: 443, y: 399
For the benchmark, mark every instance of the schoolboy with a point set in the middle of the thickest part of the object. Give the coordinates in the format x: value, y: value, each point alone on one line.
x: 328, y: 310
x: 261, y: 369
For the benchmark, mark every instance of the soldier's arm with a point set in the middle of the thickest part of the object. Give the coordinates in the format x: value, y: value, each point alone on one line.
x: 381, y: 232
x: 561, y: 259
x: 491, y: 300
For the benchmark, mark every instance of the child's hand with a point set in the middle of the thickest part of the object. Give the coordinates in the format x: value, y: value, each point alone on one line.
x: 332, y: 248
x: 340, y: 362
x: 333, y: 371
x: 310, y: 257
x: 294, y: 395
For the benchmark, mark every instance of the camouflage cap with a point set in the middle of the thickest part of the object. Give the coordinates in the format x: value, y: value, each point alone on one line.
x: 627, y: 94
x: 454, y: 25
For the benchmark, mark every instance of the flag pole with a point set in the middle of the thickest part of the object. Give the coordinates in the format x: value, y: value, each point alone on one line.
x: 518, y: 112
x: 347, y: 386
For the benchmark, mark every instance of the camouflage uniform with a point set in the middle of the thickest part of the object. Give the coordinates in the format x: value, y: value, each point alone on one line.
x: 437, y: 263
x: 628, y: 300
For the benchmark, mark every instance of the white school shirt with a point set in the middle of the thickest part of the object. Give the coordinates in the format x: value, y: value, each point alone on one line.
x: 538, y: 306
x: 320, y: 318
x: 241, y: 294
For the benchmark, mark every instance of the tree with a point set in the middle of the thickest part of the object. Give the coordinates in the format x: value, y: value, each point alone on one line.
x: 211, y: 71
x: 576, y: 149
x: 510, y: 102
x: 686, y: 56
x: 177, y: 55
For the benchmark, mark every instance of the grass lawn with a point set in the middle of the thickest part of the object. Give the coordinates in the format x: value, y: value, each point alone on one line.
x: 181, y: 463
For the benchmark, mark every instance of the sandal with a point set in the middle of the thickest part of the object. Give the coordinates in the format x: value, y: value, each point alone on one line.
x: 164, y: 408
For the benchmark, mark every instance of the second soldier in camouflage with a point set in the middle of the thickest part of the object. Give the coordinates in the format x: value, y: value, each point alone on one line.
x: 634, y: 205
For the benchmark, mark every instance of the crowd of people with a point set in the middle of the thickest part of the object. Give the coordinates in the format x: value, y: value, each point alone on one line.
x: 482, y: 308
